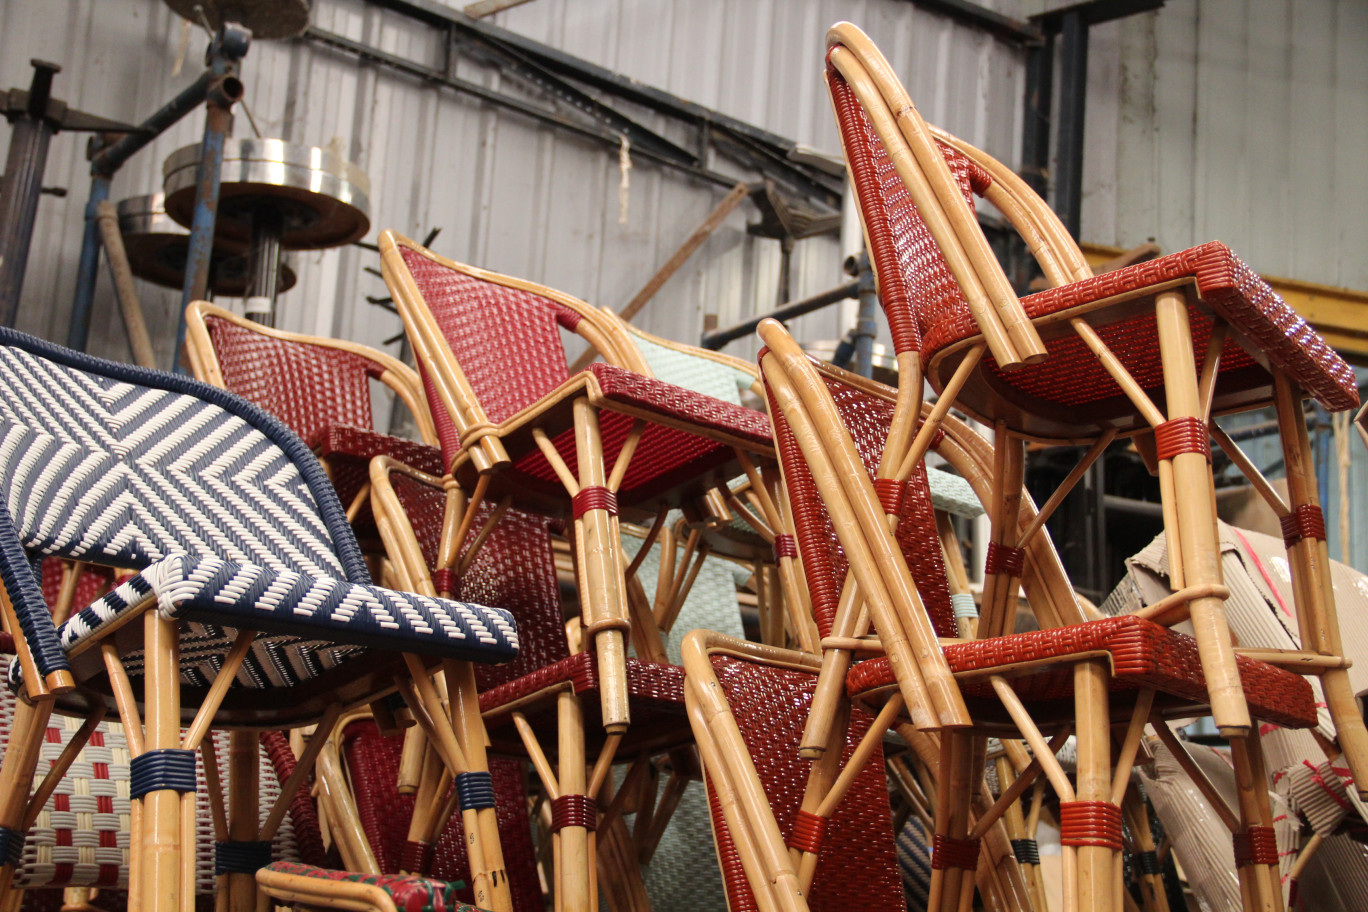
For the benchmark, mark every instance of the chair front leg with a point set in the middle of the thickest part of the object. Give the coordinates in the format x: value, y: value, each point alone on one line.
x: 1183, y: 440
x: 16, y: 781
x: 158, y: 773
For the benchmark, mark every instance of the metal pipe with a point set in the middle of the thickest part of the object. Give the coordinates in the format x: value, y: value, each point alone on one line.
x: 263, y: 267
x: 866, y: 328
x: 82, y: 303
x: 218, y: 118
x: 1073, y: 96
x: 717, y: 339
x: 122, y: 274
x: 21, y: 186
x: 108, y: 160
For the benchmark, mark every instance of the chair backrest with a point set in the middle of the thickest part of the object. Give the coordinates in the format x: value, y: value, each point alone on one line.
x: 307, y: 382
x: 121, y: 466
x: 712, y: 373
x: 487, y: 344
x: 916, y: 202
x: 116, y: 465
x: 867, y: 414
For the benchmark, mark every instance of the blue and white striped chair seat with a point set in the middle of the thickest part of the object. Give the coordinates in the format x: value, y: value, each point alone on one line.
x: 226, y: 514
x: 212, y: 596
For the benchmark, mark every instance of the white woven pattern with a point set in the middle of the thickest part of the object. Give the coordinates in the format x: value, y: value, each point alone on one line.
x: 125, y: 474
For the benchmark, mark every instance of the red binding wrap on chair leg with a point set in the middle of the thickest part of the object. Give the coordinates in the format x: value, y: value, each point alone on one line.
x: 1090, y: 823
x: 594, y: 497
x: 1004, y: 559
x: 808, y: 830
x: 1304, y: 521
x: 574, y: 810
x: 784, y: 546
x: 1182, y: 435
x: 954, y: 853
x: 1256, y: 845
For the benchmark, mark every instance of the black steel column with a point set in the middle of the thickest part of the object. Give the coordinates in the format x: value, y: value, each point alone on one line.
x: 1073, y: 96
x: 23, y: 182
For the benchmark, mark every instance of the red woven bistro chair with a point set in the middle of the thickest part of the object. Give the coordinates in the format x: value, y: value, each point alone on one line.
x: 1074, y: 674
x: 550, y: 686
x: 513, y: 424
x: 321, y: 389
x: 1197, y: 331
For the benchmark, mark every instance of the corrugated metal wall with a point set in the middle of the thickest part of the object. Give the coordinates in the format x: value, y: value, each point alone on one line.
x: 508, y: 194
x: 1244, y: 121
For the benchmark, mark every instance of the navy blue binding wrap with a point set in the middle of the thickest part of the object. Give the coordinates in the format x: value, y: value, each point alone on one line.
x: 35, y: 620
x: 241, y: 857
x: 16, y: 572
x: 11, y: 846
x: 1027, y: 851
x: 167, y: 768
x: 475, y: 790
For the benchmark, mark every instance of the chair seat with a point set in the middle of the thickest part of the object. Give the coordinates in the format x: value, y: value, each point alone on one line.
x: 688, y: 443
x: 214, y: 597
x: 409, y: 894
x: 1071, y: 388
x: 1141, y: 654
x: 361, y: 444
x: 656, y: 692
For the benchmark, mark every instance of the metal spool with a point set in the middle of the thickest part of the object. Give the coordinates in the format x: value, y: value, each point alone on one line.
x: 274, y: 195
x: 268, y: 19
x: 157, y: 248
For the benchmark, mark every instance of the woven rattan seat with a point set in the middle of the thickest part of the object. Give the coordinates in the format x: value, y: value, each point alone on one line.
x: 1141, y: 654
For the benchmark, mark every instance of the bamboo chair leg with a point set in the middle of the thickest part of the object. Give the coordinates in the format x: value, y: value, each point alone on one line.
x: 601, y: 587
x: 573, y: 892
x: 470, y: 730
x: 1194, y: 493
x: 1098, y: 875
x: 160, y: 890
x: 243, y: 814
x: 1152, y: 891
x: 1014, y: 819
x: 1310, y: 559
x: 17, y: 773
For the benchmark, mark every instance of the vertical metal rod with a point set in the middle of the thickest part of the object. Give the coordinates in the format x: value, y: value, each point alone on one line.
x: 866, y: 327
x: 263, y: 268
x: 218, y: 118
x: 1073, y: 93
x: 22, y: 184
x: 1035, y: 139
x: 78, y: 333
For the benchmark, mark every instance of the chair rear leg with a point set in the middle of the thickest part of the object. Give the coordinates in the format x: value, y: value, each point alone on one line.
x: 16, y: 781
x: 1317, y: 621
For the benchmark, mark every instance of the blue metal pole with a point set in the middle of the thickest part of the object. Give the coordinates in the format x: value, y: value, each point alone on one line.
x: 78, y: 334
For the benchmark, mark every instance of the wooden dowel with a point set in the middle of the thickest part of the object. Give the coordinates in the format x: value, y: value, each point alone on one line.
x: 303, y: 766
x: 1066, y: 486
x: 218, y: 816
x: 1134, y: 731
x: 1211, y: 364
x: 124, y: 700
x: 1248, y: 469
x: 490, y: 522
x: 60, y: 766
x: 1118, y: 372
x: 204, y: 716
x: 468, y: 514
x: 1017, y: 710
x: 1170, y: 604
x: 624, y: 456
x: 1027, y: 777
x: 557, y: 464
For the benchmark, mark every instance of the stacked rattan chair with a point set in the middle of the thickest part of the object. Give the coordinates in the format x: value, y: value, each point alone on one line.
x: 251, y: 606
x: 1086, y: 362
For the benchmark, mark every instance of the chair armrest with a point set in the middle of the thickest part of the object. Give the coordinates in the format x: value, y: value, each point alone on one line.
x: 40, y: 652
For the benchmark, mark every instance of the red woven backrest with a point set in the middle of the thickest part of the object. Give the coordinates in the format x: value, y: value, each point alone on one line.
x: 916, y: 287
x: 514, y: 569
x: 857, y: 865
x: 507, y: 341
x: 373, y: 761
x: 309, y: 387
x: 868, y: 419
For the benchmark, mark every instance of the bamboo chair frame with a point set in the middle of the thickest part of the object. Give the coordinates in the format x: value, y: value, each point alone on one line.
x: 1191, y: 393
x: 1091, y: 866
x: 485, y: 447
x: 577, y: 860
